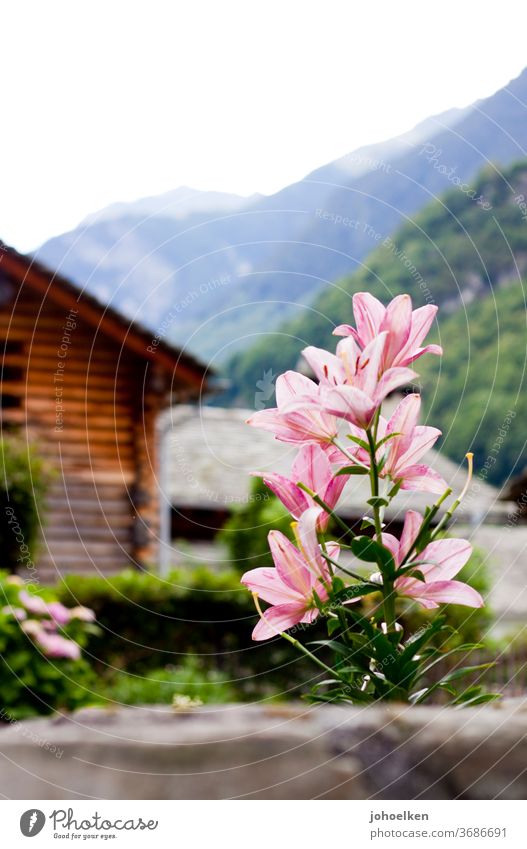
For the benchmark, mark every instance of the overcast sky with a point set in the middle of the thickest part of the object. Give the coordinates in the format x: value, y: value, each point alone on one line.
x: 107, y: 101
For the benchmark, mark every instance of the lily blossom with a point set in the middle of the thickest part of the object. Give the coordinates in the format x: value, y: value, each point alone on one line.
x: 354, y: 383
x: 445, y: 557
x: 312, y: 468
x: 288, y: 587
x: 291, y: 421
x: 405, y: 450
x: 406, y: 329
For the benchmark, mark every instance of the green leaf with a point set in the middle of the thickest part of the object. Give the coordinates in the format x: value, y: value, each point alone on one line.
x: 357, y: 590
x: 470, y: 693
x: 352, y: 470
x: 366, y: 523
x: 395, y: 489
x: 408, y: 667
x: 333, y: 625
x: 385, y: 439
x: 480, y: 700
x: 377, y: 501
x: 381, y: 464
x: 334, y: 645
x: 442, y: 655
x: 371, y: 551
x: 338, y: 584
x: 358, y: 441
x: 464, y: 670
x: 417, y: 574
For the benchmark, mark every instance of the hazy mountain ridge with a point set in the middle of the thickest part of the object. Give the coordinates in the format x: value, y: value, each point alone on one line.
x: 277, y: 252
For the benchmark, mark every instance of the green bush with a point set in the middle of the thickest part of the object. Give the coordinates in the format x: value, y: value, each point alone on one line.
x: 189, y: 678
x: 244, y: 535
x: 24, y: 480
x: 40, y: 677
x: 149, y: 622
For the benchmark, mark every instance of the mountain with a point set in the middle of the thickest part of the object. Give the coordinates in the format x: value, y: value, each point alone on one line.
x: 467, y: 253
x: 213, y: 280
x: 175, y: 204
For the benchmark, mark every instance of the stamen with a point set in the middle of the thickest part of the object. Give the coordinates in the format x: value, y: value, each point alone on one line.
x: 294, y: 528
x: 258, y: 606
x: 470, y: 461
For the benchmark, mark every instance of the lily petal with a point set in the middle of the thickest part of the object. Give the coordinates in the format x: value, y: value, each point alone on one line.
x: 280, y: 618
x: 368, y: 313
x: 421, y: 478
x: 293, y: 499
x: 290, y: 564
x: 449, y: 592
x: 267, y: 583
x: 327, y: 367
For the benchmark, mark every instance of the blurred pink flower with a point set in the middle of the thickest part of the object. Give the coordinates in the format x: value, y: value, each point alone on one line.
x: 33, y: 603
x: 312, y: 468
x: 56, y: 646
x: 445, y: 558
x: 49, y: 641
x: 290, y: 585
x: 84, y: 614
x: 406, y: 329
x: 17, y: 612
x: 38, y: 607
x: 303, y: 423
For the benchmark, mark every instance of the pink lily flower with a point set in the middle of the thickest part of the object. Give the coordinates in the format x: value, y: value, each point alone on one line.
x: 354, y: 383
x: 445, y: 558
x: 407, y: 329
x: 291, y: 421
x: 290, y: 585
x: 312, y: 468
x: 403, y: 452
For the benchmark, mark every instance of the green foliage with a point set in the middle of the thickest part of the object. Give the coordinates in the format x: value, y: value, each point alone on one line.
x: 30, y: 682
x: 24, y: 479
x: 245, y: 533
x: 191, y: 677
x: 483, y: 372
x: 149, y: 622
x: 468, y: 260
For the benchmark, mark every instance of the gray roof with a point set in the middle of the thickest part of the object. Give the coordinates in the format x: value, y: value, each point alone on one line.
x: 212, y: 452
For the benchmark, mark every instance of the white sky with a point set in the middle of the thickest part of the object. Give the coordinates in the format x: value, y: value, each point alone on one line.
x: 107, y: 101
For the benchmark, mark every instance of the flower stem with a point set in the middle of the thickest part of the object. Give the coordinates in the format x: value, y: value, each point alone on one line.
x: 295, y: 642
x: 318, y: 500
x: 350, y: 457
x: 387, y: 585
x: 341, y: 568
x: 374, y: 481
x: 426, y: 523
x: 451, y: 510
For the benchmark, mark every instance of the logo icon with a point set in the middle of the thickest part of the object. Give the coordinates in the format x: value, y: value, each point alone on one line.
x: 265, y: 388
x: 32, y: 822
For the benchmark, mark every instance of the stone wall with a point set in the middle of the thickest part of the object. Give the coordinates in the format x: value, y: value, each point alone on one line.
x: 274, y: 752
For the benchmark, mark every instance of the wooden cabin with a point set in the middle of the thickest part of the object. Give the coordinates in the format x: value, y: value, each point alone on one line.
x: 86, y: 386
